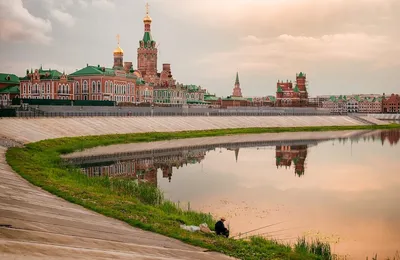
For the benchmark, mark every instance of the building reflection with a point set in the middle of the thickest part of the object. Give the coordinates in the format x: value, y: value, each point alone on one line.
x: 285, y: 155
x: 144, y: 167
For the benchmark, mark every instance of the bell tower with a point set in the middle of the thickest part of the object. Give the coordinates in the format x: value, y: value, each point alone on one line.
x: 147, y: 51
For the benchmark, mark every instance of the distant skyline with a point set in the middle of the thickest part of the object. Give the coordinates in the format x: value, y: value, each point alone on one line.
x: 343, y: 46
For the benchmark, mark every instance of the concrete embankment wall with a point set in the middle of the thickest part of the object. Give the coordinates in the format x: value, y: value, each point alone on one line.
x: 36, y: 129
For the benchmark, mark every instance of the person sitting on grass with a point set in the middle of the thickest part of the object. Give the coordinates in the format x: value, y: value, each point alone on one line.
x: 220, y: 228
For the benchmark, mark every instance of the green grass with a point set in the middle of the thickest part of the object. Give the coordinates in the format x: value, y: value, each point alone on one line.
x: 140, y: 205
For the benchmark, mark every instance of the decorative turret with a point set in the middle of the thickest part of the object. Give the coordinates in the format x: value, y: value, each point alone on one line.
x: 118, y: 56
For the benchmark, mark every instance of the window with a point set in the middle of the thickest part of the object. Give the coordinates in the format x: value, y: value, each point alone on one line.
x: 93, y: 86
x: 106, y: 87
x: 98, y: 87
x: 29, y: 88
x: 24, y: 88
x: 111, y: 87
x: 77, y: 87
x: 67, y: 89
x: 85, y: 87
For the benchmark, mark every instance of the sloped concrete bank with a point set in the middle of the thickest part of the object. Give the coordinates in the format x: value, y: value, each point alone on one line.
x: 32, y: 130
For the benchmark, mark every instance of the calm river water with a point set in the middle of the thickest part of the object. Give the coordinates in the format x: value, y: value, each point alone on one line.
x: 345, y: 191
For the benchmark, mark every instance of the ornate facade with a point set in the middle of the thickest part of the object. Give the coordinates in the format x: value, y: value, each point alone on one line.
x: 391, y: 104
x: 289, y: 96
x: 46, y: 84
x: 352, y: 103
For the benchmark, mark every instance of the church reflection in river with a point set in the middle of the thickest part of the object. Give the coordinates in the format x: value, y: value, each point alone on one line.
x: 144, y: 168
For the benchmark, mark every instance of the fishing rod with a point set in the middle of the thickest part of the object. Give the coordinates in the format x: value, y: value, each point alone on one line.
x: 270, y: 225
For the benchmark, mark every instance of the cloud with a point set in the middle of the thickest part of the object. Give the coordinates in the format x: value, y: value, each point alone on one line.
x: 103, y: 4
x: 287, y: 53
x: 63, y: 17
x: 82, y: 3
x: 17, y: 24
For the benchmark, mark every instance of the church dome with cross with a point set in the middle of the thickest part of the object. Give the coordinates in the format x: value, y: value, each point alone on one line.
x: 147, y: 18
x: 118, y: 50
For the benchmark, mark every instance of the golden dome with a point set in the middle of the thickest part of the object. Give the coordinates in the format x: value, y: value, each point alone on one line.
x: 118, y: 50
x: 147, y: 19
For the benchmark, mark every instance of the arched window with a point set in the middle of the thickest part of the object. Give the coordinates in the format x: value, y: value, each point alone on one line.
x: 106, y: 87
x: 24, y: 88
x: 128, y: 88
x: 29, y: 88
x: 67, y: 90
x: 77, y: 87
x: 85, y: 87
x: 98, y: 87
x: 48, y: 87
x: 93, y: 86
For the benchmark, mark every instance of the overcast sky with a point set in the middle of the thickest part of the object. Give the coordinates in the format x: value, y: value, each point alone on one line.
x: 344, y: 46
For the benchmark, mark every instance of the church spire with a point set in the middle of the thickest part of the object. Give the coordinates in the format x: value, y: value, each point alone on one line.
x: 237, y: 91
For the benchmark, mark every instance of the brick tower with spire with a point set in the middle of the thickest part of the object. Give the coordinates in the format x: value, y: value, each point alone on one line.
x: 237, y: 91
x: 147, y: 52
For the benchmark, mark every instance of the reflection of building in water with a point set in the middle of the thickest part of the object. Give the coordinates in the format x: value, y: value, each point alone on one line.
x: 392, y: 136
x: 142, y: 171
x: 236, y: 152
x: 145, y: 170
x: 287, y: 154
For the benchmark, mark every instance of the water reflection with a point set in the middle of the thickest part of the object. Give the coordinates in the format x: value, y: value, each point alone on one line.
x: 144, y: 167
x: 343, y: 190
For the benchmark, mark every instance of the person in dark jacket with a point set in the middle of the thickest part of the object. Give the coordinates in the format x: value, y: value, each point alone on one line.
x: 220, y: 228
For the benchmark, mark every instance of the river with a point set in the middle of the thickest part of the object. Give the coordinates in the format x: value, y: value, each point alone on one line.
x: 343, y: 189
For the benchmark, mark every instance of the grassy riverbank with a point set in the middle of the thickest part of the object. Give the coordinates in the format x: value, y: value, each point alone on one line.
x: 143, y: 206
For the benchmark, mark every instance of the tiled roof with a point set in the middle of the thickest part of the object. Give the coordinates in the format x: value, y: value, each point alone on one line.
x: 12, y: 89
x: 7, y: 78
x: 46, y: 74
x: 92, y: 70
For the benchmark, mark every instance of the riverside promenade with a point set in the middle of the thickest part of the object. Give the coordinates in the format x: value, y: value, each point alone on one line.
x: 35, y: 224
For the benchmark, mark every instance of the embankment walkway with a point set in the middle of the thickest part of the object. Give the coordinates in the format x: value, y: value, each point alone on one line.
x: 36, y: 129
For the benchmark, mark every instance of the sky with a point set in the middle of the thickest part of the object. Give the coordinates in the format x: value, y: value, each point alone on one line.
x: 343, y: 46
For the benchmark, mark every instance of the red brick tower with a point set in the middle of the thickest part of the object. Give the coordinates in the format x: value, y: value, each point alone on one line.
x: 237, y: 91
x: 301, y: 88
x: 118, y: 57
x: 147, y: 51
